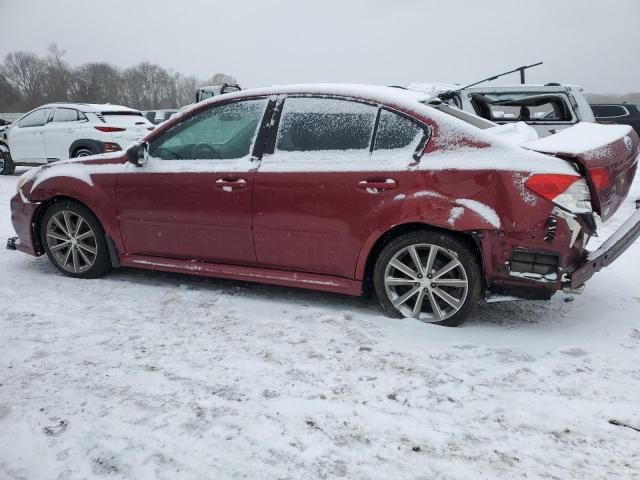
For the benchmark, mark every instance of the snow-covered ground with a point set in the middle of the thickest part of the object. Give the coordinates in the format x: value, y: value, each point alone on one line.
x: 150, y: 376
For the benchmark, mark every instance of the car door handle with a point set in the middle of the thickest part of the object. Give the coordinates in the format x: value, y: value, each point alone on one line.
x: 374, y: 186
x: 228, y: 184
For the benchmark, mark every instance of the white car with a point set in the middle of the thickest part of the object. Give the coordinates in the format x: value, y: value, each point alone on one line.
x: 59, y: 131
x: 547, y: 108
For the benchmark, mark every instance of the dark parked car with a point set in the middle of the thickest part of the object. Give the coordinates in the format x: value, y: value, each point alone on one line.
x: 621, y: 113
x: 337, y: 188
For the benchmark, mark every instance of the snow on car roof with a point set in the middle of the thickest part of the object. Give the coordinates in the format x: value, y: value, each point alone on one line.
x: 451, y: 127
x: 93, y: 107
x: 374, y: 92
x: 433, y: 87
x: 527, y: 87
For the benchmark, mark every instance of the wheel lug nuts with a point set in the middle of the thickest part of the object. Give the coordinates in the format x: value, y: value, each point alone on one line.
x: 433, y: 285
x: 419, y: 276
x: 429, y: 276
x: 417, y: 284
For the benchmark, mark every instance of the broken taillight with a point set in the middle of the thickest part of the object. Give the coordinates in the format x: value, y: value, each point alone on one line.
x: 569, y: 192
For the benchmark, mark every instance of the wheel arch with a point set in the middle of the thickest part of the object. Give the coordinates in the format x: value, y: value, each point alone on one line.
x: 367, y: 260
x: 94, y: 145
x: 36, y: 223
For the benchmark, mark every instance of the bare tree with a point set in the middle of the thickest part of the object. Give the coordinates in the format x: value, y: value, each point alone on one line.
x: 97, y: 83
x: 25, y: 72
x: 58, y: 75
x: 27, y: 81
x: 220, y: 78
x: 186, y: 89
x: 9, y: 95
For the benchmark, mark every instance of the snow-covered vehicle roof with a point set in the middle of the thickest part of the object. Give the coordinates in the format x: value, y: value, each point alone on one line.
x: 406, y: 98
x: 92, y: 107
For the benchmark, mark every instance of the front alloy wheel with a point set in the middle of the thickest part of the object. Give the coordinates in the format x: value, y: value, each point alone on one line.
x: 71, y: 241
x: 74, y: 241
x: 430, y: 276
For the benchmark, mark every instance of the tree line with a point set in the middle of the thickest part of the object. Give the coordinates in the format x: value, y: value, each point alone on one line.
x: 28, y: 80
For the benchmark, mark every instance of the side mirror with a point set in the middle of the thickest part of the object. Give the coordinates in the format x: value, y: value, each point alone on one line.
x: 138, y: 154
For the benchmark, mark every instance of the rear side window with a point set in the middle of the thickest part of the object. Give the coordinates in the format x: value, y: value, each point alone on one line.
x: 609, y: 111
x: 65, y: 115
x: 321, y: 124
x: 35, y: 119
x: 396, y: 132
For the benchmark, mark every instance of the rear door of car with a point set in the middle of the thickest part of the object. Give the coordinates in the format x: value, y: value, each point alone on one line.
x: 26, y: 137
x: 324, y: 185
x: 193, y: 198
x: 61, y: 131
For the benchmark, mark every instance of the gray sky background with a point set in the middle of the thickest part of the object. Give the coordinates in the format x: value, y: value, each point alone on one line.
x: 594, y: 43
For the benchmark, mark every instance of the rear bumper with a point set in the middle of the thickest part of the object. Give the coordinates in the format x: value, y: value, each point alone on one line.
x: 608, y: 252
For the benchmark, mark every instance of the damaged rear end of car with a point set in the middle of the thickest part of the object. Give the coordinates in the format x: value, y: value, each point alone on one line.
x: 605, y: 158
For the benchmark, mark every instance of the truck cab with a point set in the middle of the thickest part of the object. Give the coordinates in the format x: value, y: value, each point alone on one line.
x: 214, y: 90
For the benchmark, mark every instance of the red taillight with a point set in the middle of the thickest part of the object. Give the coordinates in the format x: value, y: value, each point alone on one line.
x: 550, y: 186
x: 110, y: 129
x: 599, y: 177
x: 570, y: 192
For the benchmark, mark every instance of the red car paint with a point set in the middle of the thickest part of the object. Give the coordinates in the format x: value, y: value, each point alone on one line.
x: 317, y: 230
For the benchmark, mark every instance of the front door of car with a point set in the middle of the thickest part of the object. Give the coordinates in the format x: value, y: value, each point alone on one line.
x: 26, y: 137
x: 61, y: 131
x: 322, y: 188
x: 192, y: 200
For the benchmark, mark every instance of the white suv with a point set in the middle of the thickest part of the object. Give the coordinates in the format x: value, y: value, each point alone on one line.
x: 58, y: 131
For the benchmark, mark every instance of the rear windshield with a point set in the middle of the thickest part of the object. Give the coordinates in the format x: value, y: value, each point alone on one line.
x: 125, y: 119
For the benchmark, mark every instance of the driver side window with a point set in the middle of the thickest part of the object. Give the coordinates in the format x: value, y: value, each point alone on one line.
x: 224, y: 132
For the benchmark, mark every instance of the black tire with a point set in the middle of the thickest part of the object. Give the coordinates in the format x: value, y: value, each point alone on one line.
x: 7, y: 167
x: 469, y: 269
x: 101, y: 263
x: 83, y: 152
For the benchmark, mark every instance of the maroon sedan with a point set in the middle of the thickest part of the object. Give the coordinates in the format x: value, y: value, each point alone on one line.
x: 339, y: 188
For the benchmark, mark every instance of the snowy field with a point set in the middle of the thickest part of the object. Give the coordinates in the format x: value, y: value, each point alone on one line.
x: 153, y: 376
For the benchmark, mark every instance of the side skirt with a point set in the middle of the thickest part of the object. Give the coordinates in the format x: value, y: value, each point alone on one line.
x: 248, y: 274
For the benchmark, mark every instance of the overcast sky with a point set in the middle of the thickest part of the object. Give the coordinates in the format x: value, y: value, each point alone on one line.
x: 594, y: 43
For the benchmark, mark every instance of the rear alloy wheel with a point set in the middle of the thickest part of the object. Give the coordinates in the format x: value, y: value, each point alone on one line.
x: 83, y: 152
x: 74, y: 241
x: 430, y: 276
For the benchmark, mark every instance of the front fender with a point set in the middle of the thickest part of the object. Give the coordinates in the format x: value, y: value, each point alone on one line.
x: 84, y: 183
